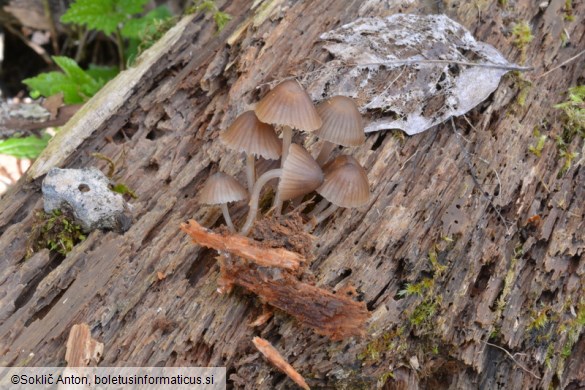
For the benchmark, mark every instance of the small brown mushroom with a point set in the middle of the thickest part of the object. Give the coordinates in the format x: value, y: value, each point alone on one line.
x: 290, y: 106
x: 342, y: 125
x: 299, y: 175
x: 345, y: 185
x: 247, y: 134
x: 221, y: 189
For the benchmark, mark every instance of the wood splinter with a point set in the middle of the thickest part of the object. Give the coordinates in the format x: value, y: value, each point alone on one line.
x: 242, y: 246
x: 276, y: 359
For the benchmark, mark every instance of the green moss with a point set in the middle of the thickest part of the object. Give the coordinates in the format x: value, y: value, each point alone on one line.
x: 509, y: 279
x: 54, y: 231
x: 424, y: 312
x: 124, y: 190
x: 574, y: 113
x: 541, y: 140
x: 538, y: 320
x: 390, y: 341
x: 568, y: 10
x: 417, y: 288
x: 521, y: 37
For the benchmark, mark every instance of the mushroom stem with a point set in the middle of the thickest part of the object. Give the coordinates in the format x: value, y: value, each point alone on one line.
x: 286, y: 141
x: 262, y: 180
x: 228, y: 219
x: 321, y: 217
x: 319, y: 207
x: 325, y: 152
x: 250, y: 171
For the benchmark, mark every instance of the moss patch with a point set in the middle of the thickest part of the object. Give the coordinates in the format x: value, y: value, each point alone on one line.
x: 54, y: 231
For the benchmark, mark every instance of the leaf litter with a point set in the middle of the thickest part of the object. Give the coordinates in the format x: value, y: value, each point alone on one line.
x: 408, y: 72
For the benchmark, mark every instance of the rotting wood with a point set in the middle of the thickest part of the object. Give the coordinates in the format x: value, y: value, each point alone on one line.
x: 244, y: 247
x: 271, y: 277
x: 332, y: 315
x: 495, y: 276
x: 274, y: 357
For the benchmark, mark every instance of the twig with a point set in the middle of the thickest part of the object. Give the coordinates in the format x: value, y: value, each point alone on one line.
x: 36, y: 48
x: 513, y: 359
x: 52, y: 28
x: 562, y: 64
x: 275, y: 358
x: 244, y: 247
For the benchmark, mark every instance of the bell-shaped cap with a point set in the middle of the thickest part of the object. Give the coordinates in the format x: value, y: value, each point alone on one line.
x: 222, y: 188
x: 346, y: 183
x: 288, y: 104
x: 247, y: 134
x: 300, y: 174
x: 342, y: 122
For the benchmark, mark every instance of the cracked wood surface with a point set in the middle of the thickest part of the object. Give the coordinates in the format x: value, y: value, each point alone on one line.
x: 489, y: 272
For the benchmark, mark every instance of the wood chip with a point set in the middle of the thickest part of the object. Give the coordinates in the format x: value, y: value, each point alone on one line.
x: 244, y: 247
x: 82, y: 349
x: 276, y: 359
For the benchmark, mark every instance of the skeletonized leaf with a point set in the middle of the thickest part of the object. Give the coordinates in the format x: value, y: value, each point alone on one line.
x: 406, y: 71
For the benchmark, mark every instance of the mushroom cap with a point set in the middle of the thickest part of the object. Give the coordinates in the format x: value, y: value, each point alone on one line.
x: 300, y: 174
x: 222, y: 188
x: 247, y: 134
x: 342, y: 122
x: 288, y: 104
x: 346, y: 183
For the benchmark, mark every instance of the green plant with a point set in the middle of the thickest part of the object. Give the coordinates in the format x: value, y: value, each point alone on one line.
x: 117, y: 19
x: 522, y: 36
x: 76, y: 84
x: 541, y: 139
x: 26, y: 147
x: 54, y: 231
x: 208, y: 6
x: 568, y: 10
x: 416, y: 288
x: 574, y: 110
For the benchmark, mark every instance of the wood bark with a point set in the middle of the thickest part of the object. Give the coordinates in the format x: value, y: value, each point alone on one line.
x: 453, y: 211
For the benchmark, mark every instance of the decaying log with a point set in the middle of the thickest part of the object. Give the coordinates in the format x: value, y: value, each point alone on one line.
x: 442, y: 256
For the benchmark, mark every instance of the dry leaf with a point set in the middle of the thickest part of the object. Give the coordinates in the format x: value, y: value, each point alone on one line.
x: 407, y: 71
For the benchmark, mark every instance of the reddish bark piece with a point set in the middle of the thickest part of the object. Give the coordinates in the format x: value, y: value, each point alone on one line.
x: 276, y: 359
x: 244, y: 247
x: 332, y: 315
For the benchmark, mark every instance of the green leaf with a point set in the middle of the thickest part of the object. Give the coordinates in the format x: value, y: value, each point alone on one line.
x: 51, y: 83
x: 102, y: 74
x: 139, y: 27
x: 27, y: 147
x: 102, y: 15
x: 76, y: 84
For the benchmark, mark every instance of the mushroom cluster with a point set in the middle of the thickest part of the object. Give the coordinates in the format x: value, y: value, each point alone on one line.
x: 341, y: 182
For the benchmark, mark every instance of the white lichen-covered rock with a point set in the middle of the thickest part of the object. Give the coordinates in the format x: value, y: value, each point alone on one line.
x: 86, y: 195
